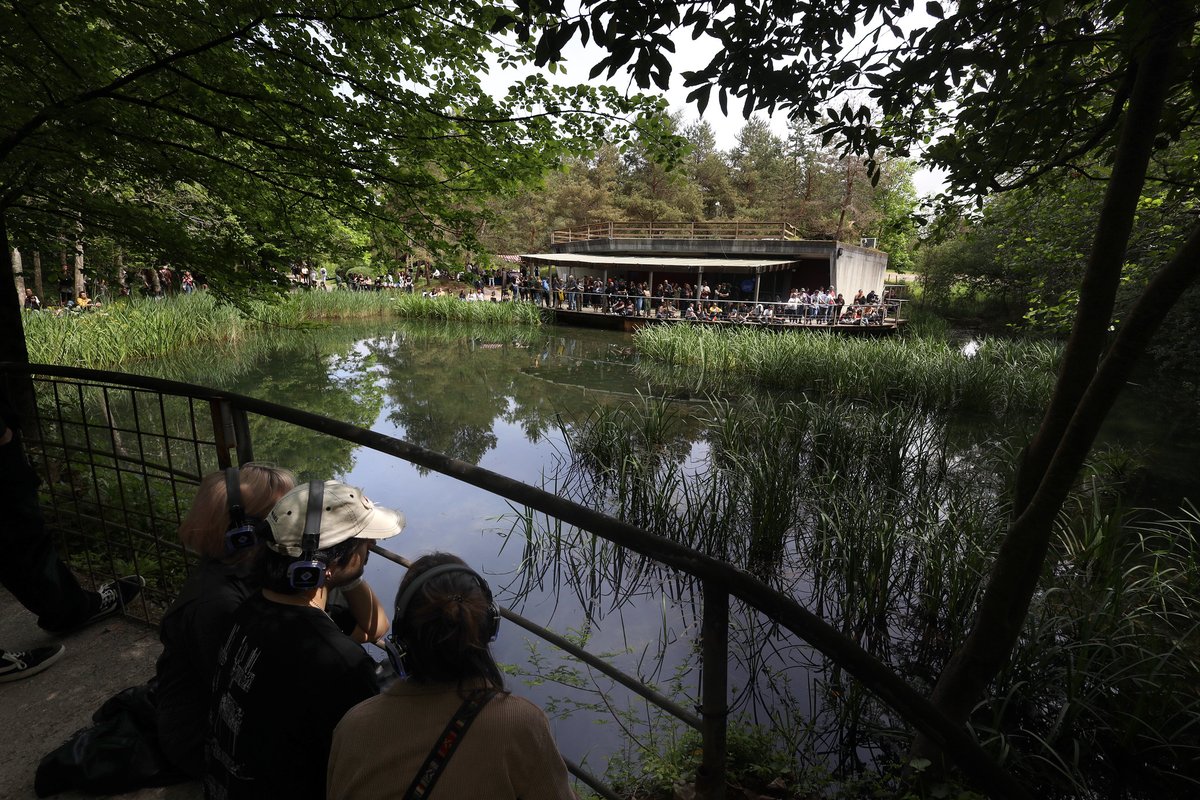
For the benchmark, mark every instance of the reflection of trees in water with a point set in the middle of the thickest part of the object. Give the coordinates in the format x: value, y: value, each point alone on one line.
x: 316, y: 369
x: 448, y: 385
x: 873, y: 518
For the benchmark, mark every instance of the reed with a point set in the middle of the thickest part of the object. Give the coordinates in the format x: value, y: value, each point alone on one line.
x: 874, y: 519
x: 141, y: 328
x: 1002, y: 376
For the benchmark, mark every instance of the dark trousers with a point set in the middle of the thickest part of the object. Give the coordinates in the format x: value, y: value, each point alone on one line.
x: 31, y: 568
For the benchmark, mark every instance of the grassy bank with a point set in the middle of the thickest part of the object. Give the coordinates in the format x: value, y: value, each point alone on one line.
x: 136, y: 329
x: 1001, y: 375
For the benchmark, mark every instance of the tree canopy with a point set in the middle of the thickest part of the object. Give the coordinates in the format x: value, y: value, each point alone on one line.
x: 242, y: 125
x: 1000, y: 95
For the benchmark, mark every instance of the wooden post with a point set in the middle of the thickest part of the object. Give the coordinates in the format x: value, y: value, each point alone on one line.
x: 714, y: 691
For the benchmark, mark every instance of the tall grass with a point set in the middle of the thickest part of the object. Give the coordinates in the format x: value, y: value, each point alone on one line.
x: 137, y: 329
x: 872, y: 519
x: 1003, y: 376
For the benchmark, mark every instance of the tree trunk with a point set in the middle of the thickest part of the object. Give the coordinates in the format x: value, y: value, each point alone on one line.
x: 1082, y: 395
x: 122, y: 279
x: 18, y: 270
x: 847, y: 196
x: 18, y: 390
x: 79, y: 284
x: 38, y: 288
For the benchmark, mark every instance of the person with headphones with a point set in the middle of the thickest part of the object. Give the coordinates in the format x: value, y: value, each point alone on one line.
x: 220, y: 528
x: 448, y: 729
x: 286, y: 674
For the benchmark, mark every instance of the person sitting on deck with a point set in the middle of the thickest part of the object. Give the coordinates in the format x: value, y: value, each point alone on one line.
x: 715, y: 312
x: 218, y: 528
x: 690, y: 313
x: 286, y: 674
x: 448, y: 728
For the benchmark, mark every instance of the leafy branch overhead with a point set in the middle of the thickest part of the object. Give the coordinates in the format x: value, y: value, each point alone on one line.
x: 360, y: 107
x: 994, y: 92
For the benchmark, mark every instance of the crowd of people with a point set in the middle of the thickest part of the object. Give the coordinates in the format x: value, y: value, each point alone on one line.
x: 666, y: 300
x: 154, y: 282
x: 264, y: 690
x: 682, y: 301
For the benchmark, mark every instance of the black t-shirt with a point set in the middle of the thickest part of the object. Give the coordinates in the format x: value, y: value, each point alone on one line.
x: 192, y: 632
x: 285, y: 676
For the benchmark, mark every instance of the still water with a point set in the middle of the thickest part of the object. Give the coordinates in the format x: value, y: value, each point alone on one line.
x: 498, y: 398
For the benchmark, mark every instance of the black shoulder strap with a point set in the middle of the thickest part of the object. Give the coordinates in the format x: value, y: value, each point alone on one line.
x: 445, y: 746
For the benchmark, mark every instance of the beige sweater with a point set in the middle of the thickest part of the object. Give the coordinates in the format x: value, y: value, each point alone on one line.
x: 508, y: 752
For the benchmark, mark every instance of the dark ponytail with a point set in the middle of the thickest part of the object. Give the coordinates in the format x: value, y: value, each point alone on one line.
x: 446, y: 626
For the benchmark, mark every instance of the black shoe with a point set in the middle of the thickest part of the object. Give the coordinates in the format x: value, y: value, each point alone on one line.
x: 15, y: 665
x: 115, y: 595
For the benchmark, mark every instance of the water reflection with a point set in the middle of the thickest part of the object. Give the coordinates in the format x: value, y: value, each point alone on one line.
x: 549, y: 407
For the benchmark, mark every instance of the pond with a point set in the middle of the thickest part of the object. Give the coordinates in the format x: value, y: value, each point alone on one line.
x: 506, y: 399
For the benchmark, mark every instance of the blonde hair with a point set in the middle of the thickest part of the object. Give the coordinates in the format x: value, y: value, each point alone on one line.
x: 203, y: 529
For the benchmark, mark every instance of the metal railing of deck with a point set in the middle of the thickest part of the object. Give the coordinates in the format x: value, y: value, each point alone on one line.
x: 702, y: 229
x: 115, y: 450
x: 878, y: 312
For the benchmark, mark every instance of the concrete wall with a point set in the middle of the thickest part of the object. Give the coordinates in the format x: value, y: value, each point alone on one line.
x: 859, y: 268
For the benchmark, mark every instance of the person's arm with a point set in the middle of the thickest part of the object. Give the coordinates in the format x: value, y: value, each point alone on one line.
x: 369, y: 614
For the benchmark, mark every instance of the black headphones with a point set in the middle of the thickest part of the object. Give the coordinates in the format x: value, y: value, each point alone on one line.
x: 308, y: 572
x: 397, y: 648
x: 240, y: 535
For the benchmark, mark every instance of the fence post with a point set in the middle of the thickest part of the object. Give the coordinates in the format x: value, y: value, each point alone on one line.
x: 714, y: 691
x: 231, y: 431
x: 241, y: 434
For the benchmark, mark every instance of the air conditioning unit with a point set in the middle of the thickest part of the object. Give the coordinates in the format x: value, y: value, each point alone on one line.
x: 868, y: 242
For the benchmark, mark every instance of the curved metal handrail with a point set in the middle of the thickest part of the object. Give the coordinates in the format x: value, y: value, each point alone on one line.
x: 955, y: 740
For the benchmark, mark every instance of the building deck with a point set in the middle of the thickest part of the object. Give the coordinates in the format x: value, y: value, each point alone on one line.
x: 588, y: 318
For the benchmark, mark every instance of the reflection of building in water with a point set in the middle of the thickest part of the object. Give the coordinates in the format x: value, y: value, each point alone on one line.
x: 758, y: 260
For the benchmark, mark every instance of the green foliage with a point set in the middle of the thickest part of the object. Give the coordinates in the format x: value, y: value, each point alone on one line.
x: 124, y: 331
x: 754, y: 761
x: 276, y: 133
x: 763, y: 178
x: 1026, y: 251
x: 892, y: 544
x: 1001, y: 376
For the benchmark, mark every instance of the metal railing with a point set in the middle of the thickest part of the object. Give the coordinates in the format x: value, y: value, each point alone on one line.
x: 675, y: 307
x: 702, y: 229
x: 116, y: 448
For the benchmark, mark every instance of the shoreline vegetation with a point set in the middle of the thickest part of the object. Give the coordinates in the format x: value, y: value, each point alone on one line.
x: 994, y: 375
x: 137, y: 329
x: 892, y: 543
